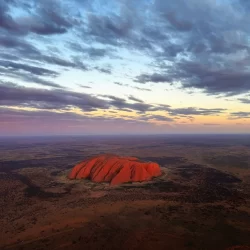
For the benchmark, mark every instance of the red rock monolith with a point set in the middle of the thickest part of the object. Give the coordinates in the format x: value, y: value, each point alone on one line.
x: 115, y: 169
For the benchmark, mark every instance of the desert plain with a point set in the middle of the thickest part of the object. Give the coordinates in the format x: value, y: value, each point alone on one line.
x: 201, y: 200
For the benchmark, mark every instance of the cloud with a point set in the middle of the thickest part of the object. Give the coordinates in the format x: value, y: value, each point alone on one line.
x: 92, y: 52
x: 9, y: 41
x: 211, y: 124
x: 51, y: 117
x: 47, y: 18
x: 209, y: 78
x: 96, y: 52
x: 84, y: 86
x: 28, y: 78
x: 188, y: 43
x: 28, y: 68
x: 122, y: 104
x: 157, y: 118
x: 135, y: 99
x: 156, y: 78
x: 61, y: 99
x: 239, y: 115
x: 204, y: 51
x: 244, y: 100
x: 106, y: 70
x: 26, y: 52
x: 177, y: 23
x: 132, y: 86
x: 121, y: 84
x: 67, y: 118
x: 142, y: 89
x: 14, y: 95
x: 46, y: 123
x: 14, y: 115
x: 107, y: 29
x: 195, y: 111
x: 37, y: 108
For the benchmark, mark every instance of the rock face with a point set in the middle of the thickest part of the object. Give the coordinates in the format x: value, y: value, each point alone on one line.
x: 115, y: 169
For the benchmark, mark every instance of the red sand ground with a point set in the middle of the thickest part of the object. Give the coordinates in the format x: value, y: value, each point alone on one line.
x: 239, y: 248
x: 115, y: 169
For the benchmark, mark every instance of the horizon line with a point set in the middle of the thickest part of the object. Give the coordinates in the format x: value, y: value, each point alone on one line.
x: 111, y: 135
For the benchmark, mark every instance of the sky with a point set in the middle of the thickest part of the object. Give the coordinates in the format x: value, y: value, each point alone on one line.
x: 78, y: 67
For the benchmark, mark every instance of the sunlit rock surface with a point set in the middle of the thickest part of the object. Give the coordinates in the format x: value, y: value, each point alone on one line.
x: 115, y: 169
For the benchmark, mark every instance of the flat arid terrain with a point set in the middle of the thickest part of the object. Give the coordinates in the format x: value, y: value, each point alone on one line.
x: 201, y: 200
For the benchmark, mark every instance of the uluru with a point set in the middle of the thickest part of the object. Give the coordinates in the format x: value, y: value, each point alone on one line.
x: 115, y: 169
